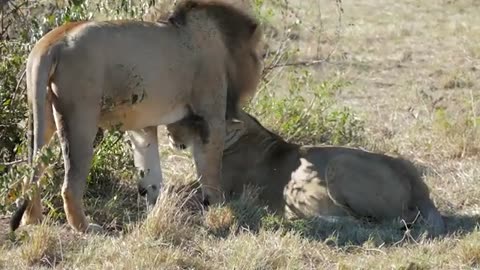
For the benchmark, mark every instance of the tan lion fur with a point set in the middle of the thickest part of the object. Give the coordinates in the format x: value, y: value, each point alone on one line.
x: 134, y: 76
x: 308, y: 181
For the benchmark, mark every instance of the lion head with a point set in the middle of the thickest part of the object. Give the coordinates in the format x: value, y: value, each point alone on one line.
x: 184, y: 133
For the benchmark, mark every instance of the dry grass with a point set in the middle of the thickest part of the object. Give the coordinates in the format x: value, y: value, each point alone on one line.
x: 411, y: 73
x: 41, y: 246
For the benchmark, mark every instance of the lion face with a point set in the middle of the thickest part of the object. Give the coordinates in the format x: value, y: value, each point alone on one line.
x: 182, y: 134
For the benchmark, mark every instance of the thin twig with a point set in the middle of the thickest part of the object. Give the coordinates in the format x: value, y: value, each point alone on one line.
x: 376, y: 250
x: 276, y: 59
x: 13, y: 162
x: 304, y: 63
x: 18, y: 86
x: 474, y: 113
x: 408, y: 234
x: 321, y: 27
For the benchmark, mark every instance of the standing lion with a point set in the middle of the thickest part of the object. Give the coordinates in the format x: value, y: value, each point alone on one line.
x: 134, y: 76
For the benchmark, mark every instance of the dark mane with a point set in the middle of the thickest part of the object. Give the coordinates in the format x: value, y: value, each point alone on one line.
x: 235, y: 24
x: 237, y: 28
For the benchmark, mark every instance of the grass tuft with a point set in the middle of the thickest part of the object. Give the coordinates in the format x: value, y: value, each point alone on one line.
x: 41, y: 246
x: 169, y: 221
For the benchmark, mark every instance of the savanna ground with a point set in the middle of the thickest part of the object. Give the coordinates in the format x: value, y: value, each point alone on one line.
x: 391, y: 76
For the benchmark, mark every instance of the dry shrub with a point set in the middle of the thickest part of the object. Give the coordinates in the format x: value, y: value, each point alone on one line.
x: 244, y: 212
x: 219, y: 220
x: 469, y: 251
x: 41, y: 246
x: 168, y: 220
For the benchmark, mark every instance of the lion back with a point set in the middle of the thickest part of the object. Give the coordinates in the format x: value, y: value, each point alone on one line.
x: 368, y: 186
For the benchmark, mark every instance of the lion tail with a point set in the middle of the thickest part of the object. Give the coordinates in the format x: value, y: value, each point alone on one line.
x: 421, y: 197
x: 42, y: 69
x: 432, y: 215
x: 39, y: 70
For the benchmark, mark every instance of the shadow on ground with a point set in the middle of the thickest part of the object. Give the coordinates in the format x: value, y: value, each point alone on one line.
x: 339, y: 231
x: 345, y: 231
x: 336, y: 231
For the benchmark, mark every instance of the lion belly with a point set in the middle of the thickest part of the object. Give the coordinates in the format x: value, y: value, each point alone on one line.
x: 140, y: 74
x: 137, y: 117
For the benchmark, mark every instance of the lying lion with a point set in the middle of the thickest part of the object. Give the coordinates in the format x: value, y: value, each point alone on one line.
x: 308, y: 181
x: 134, y: 76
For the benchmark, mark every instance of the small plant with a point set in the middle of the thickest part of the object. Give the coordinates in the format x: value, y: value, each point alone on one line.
x: 244, y: 212
x: 41, y: 246
x: 168, y: 221
x: 219, y: 220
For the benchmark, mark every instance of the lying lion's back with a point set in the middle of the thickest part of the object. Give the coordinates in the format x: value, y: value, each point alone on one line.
x: 368, y: 183
x: 321, y: 155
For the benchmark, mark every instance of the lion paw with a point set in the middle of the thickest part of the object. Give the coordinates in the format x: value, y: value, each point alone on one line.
x: 212, y: 197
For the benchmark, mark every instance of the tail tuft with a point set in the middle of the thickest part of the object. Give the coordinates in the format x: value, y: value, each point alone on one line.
x: 17, y: 216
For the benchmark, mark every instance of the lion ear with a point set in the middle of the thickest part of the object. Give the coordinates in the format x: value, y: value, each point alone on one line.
x: 178, y: 17
x: 255, y: 32
x: 189, y: 5
x: 253, y: 28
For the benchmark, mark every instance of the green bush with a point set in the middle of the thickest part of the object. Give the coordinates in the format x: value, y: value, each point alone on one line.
x: 12, y: 102
x: 113, y: 160
x: 308, y: 112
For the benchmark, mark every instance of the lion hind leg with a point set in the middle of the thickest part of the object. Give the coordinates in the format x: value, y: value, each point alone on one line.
x: 147, y: 160
x: 76, y: 131
x: 366, y: 189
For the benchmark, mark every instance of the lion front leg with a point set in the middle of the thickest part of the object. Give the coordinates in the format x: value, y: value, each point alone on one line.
x: 147, y: 161
x: 207, y: 154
